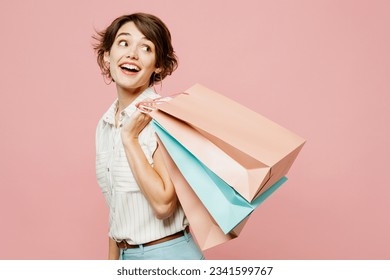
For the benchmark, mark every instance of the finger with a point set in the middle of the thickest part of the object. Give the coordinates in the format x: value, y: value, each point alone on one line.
x: 147, y: 105
x: 138, y: 116
x: 145, y: 108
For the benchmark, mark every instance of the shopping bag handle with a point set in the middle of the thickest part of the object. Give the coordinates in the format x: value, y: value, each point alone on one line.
x: 148, y: 106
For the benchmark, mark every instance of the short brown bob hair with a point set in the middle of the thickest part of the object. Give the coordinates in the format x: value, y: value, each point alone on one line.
x: 154, y: 30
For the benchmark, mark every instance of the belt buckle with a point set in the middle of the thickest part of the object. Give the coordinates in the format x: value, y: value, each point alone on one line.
x: 122, y: 244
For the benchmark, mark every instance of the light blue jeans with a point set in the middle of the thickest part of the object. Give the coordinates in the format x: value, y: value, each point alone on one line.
x: 181, y: 248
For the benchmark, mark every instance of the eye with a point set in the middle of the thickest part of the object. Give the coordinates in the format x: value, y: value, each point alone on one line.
x: 146, y: 48
x: 122, y: 43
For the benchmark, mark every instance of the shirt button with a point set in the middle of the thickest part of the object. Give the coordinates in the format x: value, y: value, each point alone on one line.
x: 108, y: 169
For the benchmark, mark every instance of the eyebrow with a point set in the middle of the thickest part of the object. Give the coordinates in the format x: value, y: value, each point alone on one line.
x: 123, y: 33
x: 128, y: 34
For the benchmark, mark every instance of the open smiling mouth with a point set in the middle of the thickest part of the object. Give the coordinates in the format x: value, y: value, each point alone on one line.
x: 130, y: 68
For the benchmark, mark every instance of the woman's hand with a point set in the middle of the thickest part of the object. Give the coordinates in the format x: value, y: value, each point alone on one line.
x: 133, y: 126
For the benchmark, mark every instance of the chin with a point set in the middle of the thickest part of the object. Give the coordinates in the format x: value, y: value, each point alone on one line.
x: 129, y: 85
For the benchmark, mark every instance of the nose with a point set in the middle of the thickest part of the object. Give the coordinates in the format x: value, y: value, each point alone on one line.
x: 132, y: 52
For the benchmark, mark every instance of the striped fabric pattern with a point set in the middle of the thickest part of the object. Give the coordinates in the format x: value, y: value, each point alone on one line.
x: 131, y: 217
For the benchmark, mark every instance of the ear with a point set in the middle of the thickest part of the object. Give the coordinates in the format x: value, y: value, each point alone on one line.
x: 158, y: 71
x: 106, y: 57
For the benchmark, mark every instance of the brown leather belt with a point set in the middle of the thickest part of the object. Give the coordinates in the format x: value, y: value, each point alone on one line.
x: 124, y: 245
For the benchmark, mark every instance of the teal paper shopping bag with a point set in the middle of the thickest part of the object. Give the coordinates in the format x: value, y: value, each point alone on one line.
x: 225, y: 205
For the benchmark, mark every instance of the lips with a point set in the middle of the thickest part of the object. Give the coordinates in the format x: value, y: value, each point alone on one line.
x: 130, y: 68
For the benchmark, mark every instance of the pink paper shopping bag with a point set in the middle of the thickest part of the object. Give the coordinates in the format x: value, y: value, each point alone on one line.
x: 206, y: 231
x: 250, y: 152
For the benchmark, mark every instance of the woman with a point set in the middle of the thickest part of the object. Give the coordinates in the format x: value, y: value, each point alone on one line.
x: 146, y: 220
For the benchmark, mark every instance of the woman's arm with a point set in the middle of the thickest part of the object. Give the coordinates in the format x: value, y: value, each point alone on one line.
x: 154, y: 181
x: 113, y: 250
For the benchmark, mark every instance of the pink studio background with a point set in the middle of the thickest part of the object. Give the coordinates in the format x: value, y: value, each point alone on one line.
x: 320, y: 68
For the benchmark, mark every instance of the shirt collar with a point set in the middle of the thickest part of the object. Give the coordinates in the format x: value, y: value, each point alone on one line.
x: 109, y: 116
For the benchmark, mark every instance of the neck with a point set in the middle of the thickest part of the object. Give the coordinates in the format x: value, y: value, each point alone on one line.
x: 126, y: 96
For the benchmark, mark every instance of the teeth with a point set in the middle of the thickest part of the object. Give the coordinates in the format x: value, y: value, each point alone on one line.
x: 130, y: 67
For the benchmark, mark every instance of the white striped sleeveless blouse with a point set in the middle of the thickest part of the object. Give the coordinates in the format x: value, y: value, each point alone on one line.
x: 131, y: 217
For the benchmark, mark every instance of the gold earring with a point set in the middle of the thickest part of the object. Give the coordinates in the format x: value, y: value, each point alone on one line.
x: 106, y: 78
x: 154, y: 81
